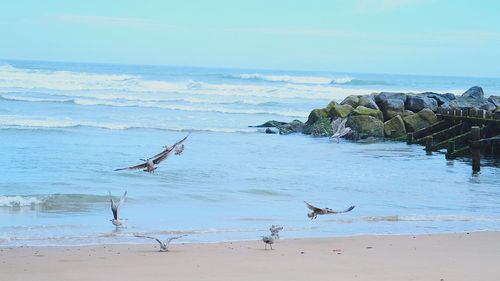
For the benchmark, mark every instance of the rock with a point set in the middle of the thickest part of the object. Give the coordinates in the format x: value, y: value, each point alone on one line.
x: 428, y: 115
x: 315, y: 115
x: 465, y: 103
x: 337, y: 110
x: 368, y: 101
x: 397, y: 125
x: 366, y: 126
x: 271, y: 131
x: 406, y: 113
x: 295, y: 126
x: 321, y: 128
x: 440, y: 98
x: 351, y: 100
x: 495, y: 100
x: 418, y: 121
x: 449, y: 96
x: 391, y: 107
x: 445, y: 106
x: 388, y: 95
x: 419, y: 102
x: 488, y: 106
x: 475, y: 92
x: 271, y: 123
x: 361, y: 110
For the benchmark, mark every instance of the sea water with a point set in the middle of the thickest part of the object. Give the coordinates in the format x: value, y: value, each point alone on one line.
x: 65, y: 127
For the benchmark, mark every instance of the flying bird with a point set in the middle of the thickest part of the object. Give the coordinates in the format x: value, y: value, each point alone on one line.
x: 315, y: 211
x: 163, y: 245
x: 339, y: 128
x: 275, y: 230
x: 151, y: 164
x: 115, y: 207
x: 269, y: 239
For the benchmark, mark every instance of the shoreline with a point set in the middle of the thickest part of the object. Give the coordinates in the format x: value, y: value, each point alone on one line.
x: 452, y: 256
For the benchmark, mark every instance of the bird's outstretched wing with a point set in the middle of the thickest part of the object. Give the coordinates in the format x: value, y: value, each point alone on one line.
x: 311, y: 207
x: 114, y: 208
x: 330, y: 211
x: 168, y: 151
x: 347, y: 210
x: 174, y: 237
x: 149, y: 237
x: 122, y: 200
x: 136, y: 167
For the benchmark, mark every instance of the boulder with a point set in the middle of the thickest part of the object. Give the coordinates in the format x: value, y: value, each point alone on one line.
x: 389, y: 95
x: 361, y: 110
x: 440, y: 98
x: 465, y: 103
x: 391, y: 107
x: 418, y: 121
x: 295, y: 126
x: 368, y: 101
x: 366, y: 126
x: 321, y: 128
x: 406, y: 113
x: 351, y: 100
x: 338, y: 110
x: 495, y: 100
x: 488, y: 106
x: 475, y: 92
x: 449, y: 96
x: 419, y: 102
x: 271, y: 131
x: 315, y: 115
x: 397, y: 125
x: 271, y: 123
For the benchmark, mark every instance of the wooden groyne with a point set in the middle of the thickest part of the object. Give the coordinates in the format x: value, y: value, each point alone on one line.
x: 463, y: 133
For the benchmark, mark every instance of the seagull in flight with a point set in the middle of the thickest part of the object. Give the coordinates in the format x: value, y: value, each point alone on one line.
x: 315, y: 211
x: 269, y: 239
x: 114, y: 208
x: 163, y: 245
x: 151, y: 164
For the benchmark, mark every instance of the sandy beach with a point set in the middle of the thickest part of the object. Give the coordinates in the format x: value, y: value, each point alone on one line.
x: 463, y: 256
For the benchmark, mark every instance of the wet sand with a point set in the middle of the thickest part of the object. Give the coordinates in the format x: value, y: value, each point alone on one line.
x: 463, y: 256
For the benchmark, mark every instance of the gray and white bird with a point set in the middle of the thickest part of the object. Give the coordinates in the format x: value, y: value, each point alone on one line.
x: 151, y: 164
x: 115, y: 207
x: 163, y: 245
x: 269, y: 240
x: 315, y: 211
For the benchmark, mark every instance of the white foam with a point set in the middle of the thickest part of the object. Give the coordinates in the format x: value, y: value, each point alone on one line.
x: 19, y: 201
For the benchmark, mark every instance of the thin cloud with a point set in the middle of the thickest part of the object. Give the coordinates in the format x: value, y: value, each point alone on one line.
x: 314, y: 32
x: 112, y: 21
x: 380, y: 6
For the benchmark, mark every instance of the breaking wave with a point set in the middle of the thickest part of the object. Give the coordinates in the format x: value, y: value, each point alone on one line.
x: 292, y: 79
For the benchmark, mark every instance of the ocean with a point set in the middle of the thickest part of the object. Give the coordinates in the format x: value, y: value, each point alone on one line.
x: 65, y: 127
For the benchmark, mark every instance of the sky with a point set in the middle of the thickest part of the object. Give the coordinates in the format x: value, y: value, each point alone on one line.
x: 429, y: 37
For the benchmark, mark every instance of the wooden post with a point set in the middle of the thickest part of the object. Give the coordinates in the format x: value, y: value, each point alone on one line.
x: 428, y: 144
x: 451, y: 150
x: 475, y: 149
x: 409, y: 139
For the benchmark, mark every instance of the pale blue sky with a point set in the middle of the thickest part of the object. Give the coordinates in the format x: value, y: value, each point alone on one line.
x: 381, y: 36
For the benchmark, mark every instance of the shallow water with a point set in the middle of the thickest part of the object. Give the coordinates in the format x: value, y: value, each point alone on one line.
x: 65, y: 128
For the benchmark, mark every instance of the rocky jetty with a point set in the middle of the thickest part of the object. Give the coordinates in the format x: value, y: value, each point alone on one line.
x: 385, y: 114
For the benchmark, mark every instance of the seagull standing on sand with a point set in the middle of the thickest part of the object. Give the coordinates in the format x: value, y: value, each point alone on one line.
x: 114, y: 208
x: 163, y: 245
x: 315, y: 211
x: 269, y: 239
x: 151, y: 164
